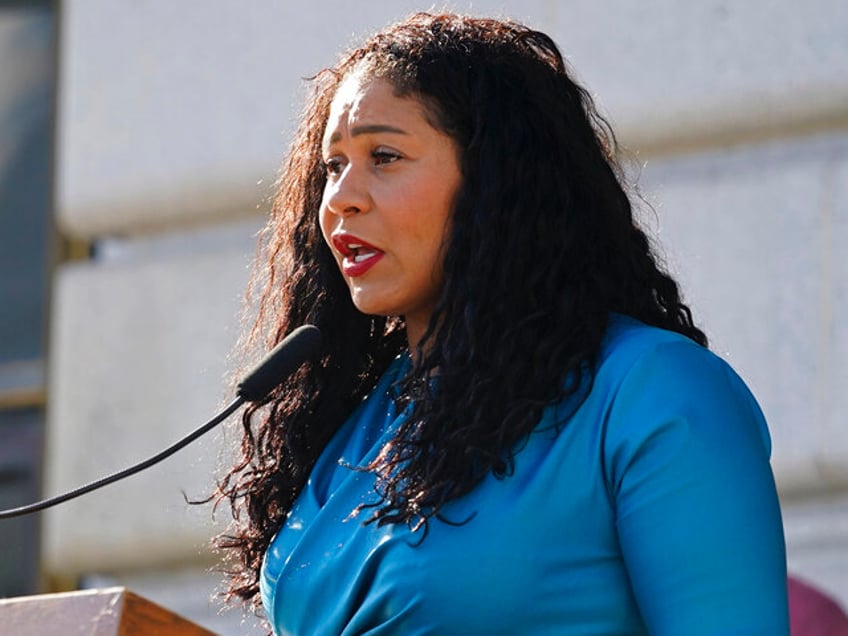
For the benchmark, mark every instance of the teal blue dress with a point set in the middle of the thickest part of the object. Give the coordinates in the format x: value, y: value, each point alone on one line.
x: 652, y: 511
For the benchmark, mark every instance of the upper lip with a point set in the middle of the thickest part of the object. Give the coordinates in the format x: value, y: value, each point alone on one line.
x: 349, y: 244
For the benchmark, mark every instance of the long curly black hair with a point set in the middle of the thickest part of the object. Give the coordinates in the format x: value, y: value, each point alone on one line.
x: 542, y: 247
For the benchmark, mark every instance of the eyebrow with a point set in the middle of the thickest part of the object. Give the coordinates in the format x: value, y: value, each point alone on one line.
x: 369, y: 129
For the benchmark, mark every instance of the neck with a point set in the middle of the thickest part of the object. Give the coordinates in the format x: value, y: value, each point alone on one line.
x: 414, y: 333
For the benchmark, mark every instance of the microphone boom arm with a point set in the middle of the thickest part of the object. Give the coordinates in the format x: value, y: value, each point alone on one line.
x: 126, y: 472
x: 300, y: 345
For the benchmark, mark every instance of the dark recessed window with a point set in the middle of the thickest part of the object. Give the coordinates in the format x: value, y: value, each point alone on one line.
x: 27, y: 87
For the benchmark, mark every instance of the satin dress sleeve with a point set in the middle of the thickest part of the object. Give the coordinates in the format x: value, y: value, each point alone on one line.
x: 697, y: 518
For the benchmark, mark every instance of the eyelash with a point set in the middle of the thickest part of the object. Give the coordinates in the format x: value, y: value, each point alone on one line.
x: 381, y: 157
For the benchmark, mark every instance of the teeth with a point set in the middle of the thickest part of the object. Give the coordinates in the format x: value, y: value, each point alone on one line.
x: 354, y: 246
x: 358, y: 258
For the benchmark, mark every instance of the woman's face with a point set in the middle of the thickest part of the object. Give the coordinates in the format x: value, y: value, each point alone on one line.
x: 391, y: 182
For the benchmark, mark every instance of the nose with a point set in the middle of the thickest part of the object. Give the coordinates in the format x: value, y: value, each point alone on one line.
x: 347, y: 193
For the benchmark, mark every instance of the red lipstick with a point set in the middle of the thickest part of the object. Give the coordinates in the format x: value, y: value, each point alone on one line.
x: 358, y: 256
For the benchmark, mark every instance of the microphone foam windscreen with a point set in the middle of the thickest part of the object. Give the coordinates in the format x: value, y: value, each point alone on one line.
x: 299, y: 346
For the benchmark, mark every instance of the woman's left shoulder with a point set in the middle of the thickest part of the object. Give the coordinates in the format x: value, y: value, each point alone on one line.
x: 665, y: 376
x: 660, y: 356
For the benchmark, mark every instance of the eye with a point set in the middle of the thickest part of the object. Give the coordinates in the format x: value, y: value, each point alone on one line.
x: 383, y: 156
x: 333, y: 165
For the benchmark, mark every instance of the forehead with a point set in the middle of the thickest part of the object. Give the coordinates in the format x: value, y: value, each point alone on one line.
x: 366, y: 101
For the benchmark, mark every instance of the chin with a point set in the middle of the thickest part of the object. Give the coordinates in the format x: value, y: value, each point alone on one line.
x: 373, y: 304
x: 371, y: 308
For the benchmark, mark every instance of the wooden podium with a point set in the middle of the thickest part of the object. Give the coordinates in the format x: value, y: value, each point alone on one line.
x: 102, y: 612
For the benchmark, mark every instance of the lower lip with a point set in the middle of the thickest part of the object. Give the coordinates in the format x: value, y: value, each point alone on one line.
x: 354, y: 268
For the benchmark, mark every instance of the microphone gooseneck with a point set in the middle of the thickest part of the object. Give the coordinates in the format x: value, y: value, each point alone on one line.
x: 302, y: 344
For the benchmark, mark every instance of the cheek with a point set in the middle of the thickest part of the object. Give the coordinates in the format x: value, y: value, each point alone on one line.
x: 438, y: 217
x: 425, y: 252
x: 325, y: 222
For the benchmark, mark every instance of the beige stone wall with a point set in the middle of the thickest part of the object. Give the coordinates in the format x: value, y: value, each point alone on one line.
x: 172, y: 121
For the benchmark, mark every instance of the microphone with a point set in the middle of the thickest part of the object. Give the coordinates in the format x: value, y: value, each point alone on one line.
x: 302, y: 344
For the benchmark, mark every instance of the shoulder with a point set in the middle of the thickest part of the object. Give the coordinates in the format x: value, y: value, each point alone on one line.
x: 635, y: 357
x: 662, y: 389
x: 628, y: 341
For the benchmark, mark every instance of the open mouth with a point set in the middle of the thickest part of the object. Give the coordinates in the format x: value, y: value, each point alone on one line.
x: 360, y: 253
x: 358, y: 256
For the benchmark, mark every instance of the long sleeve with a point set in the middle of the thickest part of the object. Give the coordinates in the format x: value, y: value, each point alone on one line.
x: 687, y: 463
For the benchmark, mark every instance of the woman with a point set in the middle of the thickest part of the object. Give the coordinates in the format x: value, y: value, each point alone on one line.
x: 515, y: 426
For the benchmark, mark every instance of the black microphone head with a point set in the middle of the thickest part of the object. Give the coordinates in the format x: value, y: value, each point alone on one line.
x: 296, y: 348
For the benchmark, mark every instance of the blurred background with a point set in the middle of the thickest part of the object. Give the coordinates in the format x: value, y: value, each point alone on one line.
x: 139, y: 143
